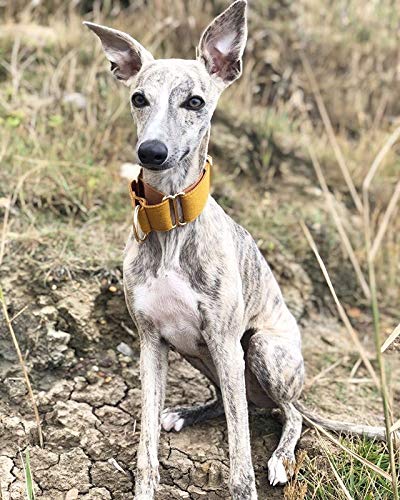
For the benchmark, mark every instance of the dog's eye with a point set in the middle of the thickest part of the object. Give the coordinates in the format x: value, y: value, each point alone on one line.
x: 195, y: 102
x: 139, y: 100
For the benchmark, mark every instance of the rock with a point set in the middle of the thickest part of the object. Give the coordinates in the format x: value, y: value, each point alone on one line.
x: 72, y: 494
x: 125, y: 349
x: 59, y: 352
x: 197, y: 492
x: 58, y: 337
x: 49, y: 312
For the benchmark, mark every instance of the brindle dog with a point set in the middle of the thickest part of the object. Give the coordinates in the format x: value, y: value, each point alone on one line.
x: 203, y: 288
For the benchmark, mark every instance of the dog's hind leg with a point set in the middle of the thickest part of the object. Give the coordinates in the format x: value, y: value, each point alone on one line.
x: 177, y: 418
x: 277, y: 363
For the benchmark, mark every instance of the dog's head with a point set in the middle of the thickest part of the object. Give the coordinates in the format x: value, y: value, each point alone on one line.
x: 172, y: 100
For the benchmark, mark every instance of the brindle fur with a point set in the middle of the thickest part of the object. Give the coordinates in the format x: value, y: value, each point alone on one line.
x: 204, y: 288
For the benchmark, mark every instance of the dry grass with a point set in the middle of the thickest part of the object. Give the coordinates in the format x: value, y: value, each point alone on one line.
x: 319, y: 77
x: 371, y: 250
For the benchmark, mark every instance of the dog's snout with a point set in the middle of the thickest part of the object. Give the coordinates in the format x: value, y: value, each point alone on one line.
x: 152, y: 152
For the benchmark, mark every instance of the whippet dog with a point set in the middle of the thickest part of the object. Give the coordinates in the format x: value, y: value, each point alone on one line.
x: 200, y: 286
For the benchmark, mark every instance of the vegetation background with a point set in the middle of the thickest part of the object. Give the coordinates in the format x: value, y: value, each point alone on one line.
x: 296, y: 142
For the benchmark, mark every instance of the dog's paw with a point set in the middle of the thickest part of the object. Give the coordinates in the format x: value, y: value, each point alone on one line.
x: 171, y: 420
x: 277, y: 471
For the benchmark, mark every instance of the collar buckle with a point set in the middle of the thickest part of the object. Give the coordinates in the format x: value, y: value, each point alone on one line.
x: 140, y: 236
x: 172, y: 198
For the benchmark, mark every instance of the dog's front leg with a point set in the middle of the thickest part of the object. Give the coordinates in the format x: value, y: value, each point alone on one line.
x: 228, y: 358
x: 153, y: 374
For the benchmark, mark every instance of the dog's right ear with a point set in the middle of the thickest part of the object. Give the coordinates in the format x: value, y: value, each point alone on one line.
x: 125, y: 54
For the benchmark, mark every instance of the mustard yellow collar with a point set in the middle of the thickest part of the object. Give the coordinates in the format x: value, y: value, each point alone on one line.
x: 155, y: 211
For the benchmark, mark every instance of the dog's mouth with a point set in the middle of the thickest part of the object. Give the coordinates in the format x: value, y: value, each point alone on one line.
x: 184, y: 154
x: 164, y: 166
x: 157, y: 168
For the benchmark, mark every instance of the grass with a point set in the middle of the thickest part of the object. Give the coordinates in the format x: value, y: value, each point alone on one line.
x: 30, y: 490
x: 319, y: 77
x: 77, y: 177
x: 358, y: 479
x: 370, y: 290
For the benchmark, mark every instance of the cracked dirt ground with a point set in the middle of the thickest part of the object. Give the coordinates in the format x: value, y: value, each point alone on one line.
x: 83, y: 357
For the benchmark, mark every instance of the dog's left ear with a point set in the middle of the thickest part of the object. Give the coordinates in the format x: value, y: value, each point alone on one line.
x: 222, y: 44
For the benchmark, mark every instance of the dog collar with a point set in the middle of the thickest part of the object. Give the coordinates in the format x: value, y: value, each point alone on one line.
x: 156, y: 211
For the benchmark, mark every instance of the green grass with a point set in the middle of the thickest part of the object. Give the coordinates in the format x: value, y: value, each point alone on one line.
x: 30, y: 491
x: 360, y: 481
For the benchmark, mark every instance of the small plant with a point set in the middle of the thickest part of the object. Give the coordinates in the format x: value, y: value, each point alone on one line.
x: 296, y: 488
x: 30, y: 491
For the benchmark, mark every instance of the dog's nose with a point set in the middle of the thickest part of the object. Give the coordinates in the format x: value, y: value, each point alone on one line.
x: 152, y: 152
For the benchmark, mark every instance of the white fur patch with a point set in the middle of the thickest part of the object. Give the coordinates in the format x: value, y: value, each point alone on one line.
x: 276, y: 471
x: 155, y: 125
x: 171, y: 304
x: 131, y: 250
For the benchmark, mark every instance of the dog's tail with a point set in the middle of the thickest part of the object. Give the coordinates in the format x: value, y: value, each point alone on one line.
x: 369, y: 431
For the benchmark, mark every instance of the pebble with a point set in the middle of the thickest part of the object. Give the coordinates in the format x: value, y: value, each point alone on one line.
x: 125, y: 349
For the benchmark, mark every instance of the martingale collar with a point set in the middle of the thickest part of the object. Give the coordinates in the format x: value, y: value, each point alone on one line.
x: 155, y: 211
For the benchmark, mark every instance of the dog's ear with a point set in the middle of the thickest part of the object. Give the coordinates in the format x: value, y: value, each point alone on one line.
x: 222, y: 43
x: 125, y: 54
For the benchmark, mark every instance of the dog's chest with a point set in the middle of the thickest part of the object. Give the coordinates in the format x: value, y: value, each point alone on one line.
x: 172, y: 305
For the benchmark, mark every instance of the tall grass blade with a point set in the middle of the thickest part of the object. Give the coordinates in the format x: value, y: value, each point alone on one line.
x: 23, y: 367
x: 390, y: 142
x: 334, y: 470
x: 338, y: 222
x: 392, y: 337
x: 363, y: 460
x: 342, y: 313
x: 329, y: 130
x: 375, y: 310
x: 385, y: 221
x: 395, y: 426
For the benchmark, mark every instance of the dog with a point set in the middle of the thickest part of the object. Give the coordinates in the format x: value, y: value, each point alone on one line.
x: 194, y: 279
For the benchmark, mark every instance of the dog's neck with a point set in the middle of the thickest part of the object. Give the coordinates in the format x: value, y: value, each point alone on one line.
x: 181, y: 175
